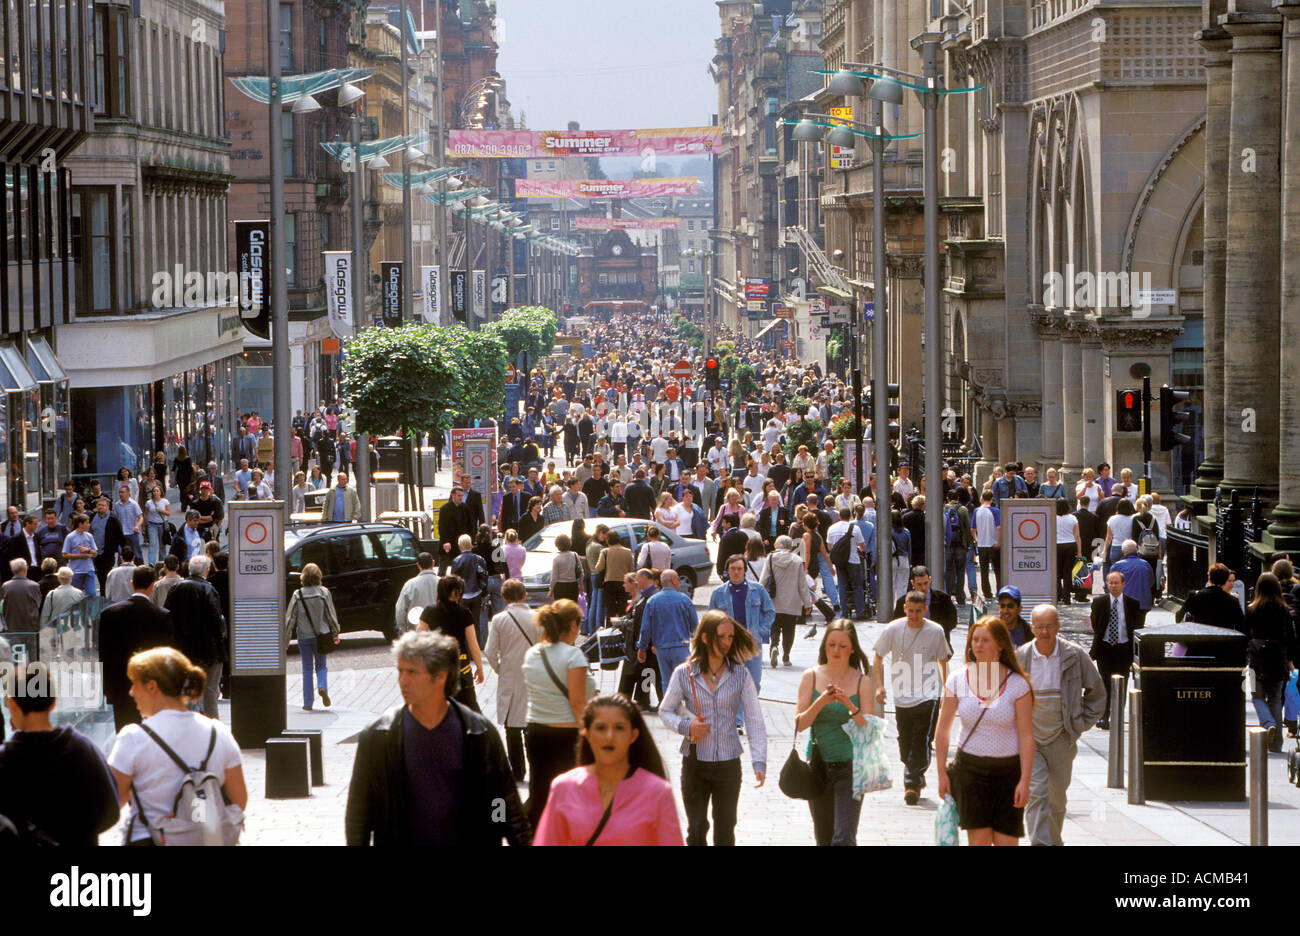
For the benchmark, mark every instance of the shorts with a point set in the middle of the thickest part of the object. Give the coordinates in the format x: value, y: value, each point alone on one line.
x: 986, y: 792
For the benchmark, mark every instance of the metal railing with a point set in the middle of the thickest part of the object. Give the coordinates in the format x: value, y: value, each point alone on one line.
x: 821, y: 267
x: 1187, y: 562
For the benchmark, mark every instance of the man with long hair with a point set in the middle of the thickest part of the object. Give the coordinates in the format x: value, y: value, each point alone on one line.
x: 715, y: 685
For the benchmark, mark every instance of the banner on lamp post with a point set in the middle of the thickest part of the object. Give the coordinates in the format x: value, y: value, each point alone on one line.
x: 252, y: 259
x: 432, y: 278
x: 390, y: 272
x: 480, y: 292
x: 458, y: 289
x: 338, y: 291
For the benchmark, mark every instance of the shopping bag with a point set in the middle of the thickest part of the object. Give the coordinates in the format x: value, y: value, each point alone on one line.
x: 945, y: 822
x: 870, y: 760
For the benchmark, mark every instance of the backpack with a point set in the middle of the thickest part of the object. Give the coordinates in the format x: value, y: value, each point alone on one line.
x: 1148, y: 541
x: 200, y: 815
x: 840, y: 551
x: 952, y: 528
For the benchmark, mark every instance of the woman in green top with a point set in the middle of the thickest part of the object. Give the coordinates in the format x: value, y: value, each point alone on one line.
x: 829, y: 695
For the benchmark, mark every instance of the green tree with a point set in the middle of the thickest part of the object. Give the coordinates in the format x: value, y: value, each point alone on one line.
x: 527, y: 330
x: 480, y: 360
x: 397, y: 380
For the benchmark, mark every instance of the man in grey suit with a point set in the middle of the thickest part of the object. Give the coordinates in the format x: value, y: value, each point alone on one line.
x: 22, y: 598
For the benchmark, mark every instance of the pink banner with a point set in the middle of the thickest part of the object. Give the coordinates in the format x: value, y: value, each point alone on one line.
x: 604, y: 188
x: 626, y: 224
x: 533, y: 144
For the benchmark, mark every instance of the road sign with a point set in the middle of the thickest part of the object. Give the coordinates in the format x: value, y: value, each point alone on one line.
x: 869, y: 311
x: 817, y: 305
x: 681, y: 370
x: 1029, y: 548
x: 257, y: 592
x: 783, y: 311
x: 510, y: 372
x: 724, y: 384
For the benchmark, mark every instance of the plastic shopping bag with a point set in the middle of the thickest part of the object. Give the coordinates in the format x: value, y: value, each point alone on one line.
x: 870, y: 761
x: 945, y: 822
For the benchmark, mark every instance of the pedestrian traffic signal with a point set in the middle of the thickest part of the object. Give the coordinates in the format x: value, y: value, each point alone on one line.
x: 1128, y: 411
x: 1172, y: 420
x: 712, y: 374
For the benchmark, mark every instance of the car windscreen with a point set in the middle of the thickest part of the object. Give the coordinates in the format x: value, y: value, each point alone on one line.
x: 541, y: 542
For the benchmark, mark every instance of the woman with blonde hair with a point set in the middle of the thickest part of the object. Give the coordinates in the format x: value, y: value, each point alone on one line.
x: 666, y: 515
x: 558, y: 685
x: 734, y: 504
x: 1089, y: 487
x: 312, y: 619
x: 989, y: 776
x: 164, y: 683
x: 1052, y: 487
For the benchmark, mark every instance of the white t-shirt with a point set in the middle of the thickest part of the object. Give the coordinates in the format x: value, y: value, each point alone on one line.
x: 1121, y: 528
x: 1094, y: 495
x: 986, y: 526
x: 996, y: 736
x: 155, y: 776
x: 914, y: 660
x: 1065, y: 527
x: 659, y: 449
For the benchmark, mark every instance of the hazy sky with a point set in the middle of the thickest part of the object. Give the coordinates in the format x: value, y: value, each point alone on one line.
x: 609, y: 64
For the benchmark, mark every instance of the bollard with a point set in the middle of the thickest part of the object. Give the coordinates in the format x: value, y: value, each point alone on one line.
x: 1115, y: 774
x: 1257, y: 745
x: 1136, y: 788
x: 313, y: 736
x: 288, y: 768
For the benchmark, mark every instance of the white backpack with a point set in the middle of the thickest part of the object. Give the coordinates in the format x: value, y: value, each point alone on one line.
x: 200, y: 815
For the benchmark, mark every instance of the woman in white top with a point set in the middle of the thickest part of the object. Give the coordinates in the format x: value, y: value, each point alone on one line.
x: 667, y: 512
x: 317, y: 481
x: 1069, y: 549
x: 163, y: 684
x: 558, y: 686
x: 995, y: 752
x: 1089, y: 487
x: 803, y: 461
x: 845, y: 497
x: 1130, y: 487
x: 654, y: 552
x: 755, y: 561
x: 156, y: 511
x: 298, y: 495
x: 1118, y: 528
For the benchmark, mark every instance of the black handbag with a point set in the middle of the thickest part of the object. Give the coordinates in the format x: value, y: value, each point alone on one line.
x: 802, y: 779
x: 324, y: 642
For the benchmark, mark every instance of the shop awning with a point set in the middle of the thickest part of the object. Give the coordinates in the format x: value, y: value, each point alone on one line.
x: 13, y: 372
x: 836, y: 292
x: 45, y: 366
x: 767, y: 328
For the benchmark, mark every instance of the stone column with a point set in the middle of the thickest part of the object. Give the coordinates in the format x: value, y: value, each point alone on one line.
x: 1053, y: 450
x: 1007, y: 436
x: 1094, y: 403
x: 1072, y: 406
x: 1218, y: 80
x: 1251, y: 318
x: 1284, y: 533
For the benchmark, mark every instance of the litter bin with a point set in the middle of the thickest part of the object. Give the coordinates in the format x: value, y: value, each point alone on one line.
x: 392, y: 453
x: 1193, y: 712
x: 387, y: 491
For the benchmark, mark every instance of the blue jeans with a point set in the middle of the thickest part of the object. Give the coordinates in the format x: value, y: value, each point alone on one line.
x: 87, y: 582
x: 669, y: 659
x: 828, y: 582
x: 154, y: 549
x: 595, y: 609
x: 312, y: 662
x: 835, y: 813
x: 956, y: 563
x: 134, y: 540
x: 1115, y: 555
x: 970, y: 572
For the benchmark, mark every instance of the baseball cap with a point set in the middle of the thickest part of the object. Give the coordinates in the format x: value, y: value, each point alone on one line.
x: 1010, y: 591
x: 205, y: 484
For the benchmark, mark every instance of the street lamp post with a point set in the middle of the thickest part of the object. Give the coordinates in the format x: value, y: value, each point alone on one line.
x: 359, y: 299
x: 879, y: 373
x: 279, y: 293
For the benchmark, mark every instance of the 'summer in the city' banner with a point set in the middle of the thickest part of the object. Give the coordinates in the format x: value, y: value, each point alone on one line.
x: 532, y: 144
x: 626, y: 224
x: 605, y: 188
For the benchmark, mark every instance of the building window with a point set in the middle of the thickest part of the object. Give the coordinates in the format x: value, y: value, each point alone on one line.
x: 112, y: 63
x: 325, y: 230
x: 124, y: 256
x: 286, y: 136
x: 101, y: 63
x: 61, y: 31
x: 550, y: 164
x: 291, y: 249
x: 690, y: 225
x: 555, y: 224
x: 603, y: 279
x: 286, y: 38
x: 573, y: 224
x: 102, y: 237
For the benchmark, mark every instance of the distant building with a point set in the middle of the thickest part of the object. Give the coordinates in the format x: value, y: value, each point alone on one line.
x: 617, y: 269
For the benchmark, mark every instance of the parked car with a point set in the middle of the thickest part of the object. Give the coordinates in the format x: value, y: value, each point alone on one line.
x: 690, y: 556
x: 364, y: 565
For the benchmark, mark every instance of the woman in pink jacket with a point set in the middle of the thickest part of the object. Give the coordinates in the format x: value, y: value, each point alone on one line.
x: 619, y: 794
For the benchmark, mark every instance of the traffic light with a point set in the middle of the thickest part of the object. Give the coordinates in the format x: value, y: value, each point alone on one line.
x: 712, y: 374
x: 1172, y: 420
x: 1128, y: 410
x: 895, y: 431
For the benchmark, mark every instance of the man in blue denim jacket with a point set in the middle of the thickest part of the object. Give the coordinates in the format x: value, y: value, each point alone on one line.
x: 749, y: 605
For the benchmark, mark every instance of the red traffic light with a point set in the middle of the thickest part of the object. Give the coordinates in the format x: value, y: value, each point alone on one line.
x: 1128, y: 400
x: 711, y: 364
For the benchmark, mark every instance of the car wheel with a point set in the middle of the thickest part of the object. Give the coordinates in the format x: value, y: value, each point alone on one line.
x: 688, y: 580
x: 390, y: 632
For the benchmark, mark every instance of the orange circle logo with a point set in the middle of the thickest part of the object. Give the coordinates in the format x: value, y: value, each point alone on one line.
x: 1029, y: 523
x: 255, y: 533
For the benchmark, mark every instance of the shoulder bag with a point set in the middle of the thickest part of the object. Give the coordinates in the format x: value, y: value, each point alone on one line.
x: 324, y: 642
x: 521, y: 628
x: 802, y: 779
x: 564, y: 690
x: 954, y: 771
x: 604, y: 818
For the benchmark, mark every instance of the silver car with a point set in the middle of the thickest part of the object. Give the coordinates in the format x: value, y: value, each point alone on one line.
x: 690, y: 556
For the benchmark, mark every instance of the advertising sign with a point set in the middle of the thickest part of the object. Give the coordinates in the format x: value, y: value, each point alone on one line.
x: 252, y: 256
x: 480, y: 292
x: 458, y: 290
x: 627, y: 224
x: 841, y: 156
x: 1029, y: 548
x: 783, y: 311
x: 390, y: 273
x: 605, y: 188
x: 550, y: 144
x: 431, y: 276
x: 757, y: 288
x: 755, y: 305
x: 338, y: 291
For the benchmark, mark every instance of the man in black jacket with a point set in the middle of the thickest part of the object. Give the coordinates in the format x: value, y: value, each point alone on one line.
x: 1115, y: 616
x: 200, y: 626
x: 640, y: 497
x: 1215, y: 604
x: 108, y: 540
x: 733, y: 542
x: 632, y: 683
x: 453, y: 522
x: 431, y: 771
x: 473, y: 502
x: 1107, y: 507
x: 938, y: 605
x: 126, y: 628
x: 1092, y: 535
x: 55, y: 786
x: 514, y: 504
